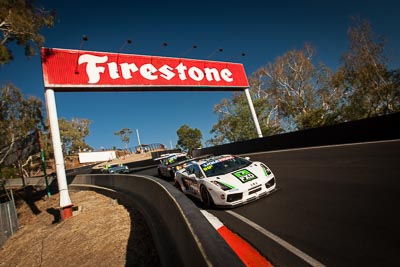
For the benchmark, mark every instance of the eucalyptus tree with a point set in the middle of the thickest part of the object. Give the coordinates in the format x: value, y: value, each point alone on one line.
x: 73, y: 133
x: 189, y: 138
x: 369, y: 87
x: 300, y: 90
x: 21, y: 22
x: 235, y: 122
x: 20, y: 117
x: 288, y: 94
x: 124, y: 134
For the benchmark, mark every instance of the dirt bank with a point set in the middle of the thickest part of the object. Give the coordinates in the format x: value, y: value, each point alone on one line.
x: 102, y: 233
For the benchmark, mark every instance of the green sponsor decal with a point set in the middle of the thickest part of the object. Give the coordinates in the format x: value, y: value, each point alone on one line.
x: 228, y: 185
x: 244, y: 175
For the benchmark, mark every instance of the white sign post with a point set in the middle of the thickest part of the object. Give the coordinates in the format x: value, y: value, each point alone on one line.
x: 253, y: 112
x: 65, y: 201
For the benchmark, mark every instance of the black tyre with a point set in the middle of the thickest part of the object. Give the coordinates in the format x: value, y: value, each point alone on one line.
x: 177, y: 185
x: 206, y: 197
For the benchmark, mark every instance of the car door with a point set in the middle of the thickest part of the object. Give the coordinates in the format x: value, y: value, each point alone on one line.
x: 192, y: 180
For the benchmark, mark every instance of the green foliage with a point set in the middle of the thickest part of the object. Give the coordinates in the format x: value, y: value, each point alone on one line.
x: 19, y: 116
x: 370, y: 89
x: 299, y: 90
x: 124, y: 134
x: 294, y: 93
x: 235, y: 121
x: 5, y: 54
x: 21, y: 22
x: 289, y: 94
x: 9, y: 172
x: 73, y: 134
x: 189, y: 138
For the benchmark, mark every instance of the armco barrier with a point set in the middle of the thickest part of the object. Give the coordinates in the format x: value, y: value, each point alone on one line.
x: 183, y: 236
x: 372, y: 129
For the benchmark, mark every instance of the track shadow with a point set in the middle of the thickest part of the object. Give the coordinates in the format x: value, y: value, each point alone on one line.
x: 141, y: 250
x: 56, y: 214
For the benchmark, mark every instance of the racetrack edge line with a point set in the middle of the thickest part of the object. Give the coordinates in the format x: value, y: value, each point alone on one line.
x: 313, y: 262
x: 248, y: 254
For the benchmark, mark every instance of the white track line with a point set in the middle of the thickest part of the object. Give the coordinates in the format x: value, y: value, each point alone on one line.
x: 283, y: 243
x: 322, y: 146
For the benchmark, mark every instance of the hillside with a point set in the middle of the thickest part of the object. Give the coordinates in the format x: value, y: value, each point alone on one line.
x: 101, y: 233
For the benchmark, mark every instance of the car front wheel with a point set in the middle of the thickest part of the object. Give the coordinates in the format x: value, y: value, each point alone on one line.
x: 206, y: 197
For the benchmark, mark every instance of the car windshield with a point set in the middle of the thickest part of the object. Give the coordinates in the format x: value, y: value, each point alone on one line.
x: 117, y: 166
x: 175, y: 159
x: 113, y: 166
x: 223, y: 165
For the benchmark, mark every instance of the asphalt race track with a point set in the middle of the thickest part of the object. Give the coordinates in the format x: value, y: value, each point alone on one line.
x: 336, y: 206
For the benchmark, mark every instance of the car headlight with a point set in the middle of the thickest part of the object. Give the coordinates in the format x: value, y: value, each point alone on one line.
x: 223, y: 186
x: 266, y: 170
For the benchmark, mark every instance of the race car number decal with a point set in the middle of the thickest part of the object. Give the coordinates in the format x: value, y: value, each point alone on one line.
x: 244, y: 175
x: 207, y: 168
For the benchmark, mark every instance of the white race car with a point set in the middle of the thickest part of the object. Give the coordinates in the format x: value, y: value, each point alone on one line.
x: 170, y: 163
x: 225, y: 180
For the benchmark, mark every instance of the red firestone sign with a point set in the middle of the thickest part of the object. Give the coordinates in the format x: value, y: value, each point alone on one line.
x: 67, y: 70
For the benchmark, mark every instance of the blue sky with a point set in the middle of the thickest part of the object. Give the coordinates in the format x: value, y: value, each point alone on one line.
x: 263, y: 30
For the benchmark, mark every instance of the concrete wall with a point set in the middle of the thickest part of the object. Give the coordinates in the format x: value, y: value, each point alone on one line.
x: 183, y: 236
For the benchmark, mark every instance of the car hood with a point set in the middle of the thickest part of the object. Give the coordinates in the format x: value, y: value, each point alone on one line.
x: 247, y: 177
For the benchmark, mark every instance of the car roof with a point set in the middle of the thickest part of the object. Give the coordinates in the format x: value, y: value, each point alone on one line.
x: 212, y: 158
x: 116, y: 164
x: 169, y: 155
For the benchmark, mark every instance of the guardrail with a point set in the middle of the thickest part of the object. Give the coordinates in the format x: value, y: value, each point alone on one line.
x: 182, y: 235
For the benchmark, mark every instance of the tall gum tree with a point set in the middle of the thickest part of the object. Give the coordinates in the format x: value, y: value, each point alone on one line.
x: 124, y: 134
x: 189, y: 138
x: 297, y: 90
x: 369, y: 87
x: 20, y: 117
x: 21, y: 22
x: 73, y: 134
x: 235, y: 120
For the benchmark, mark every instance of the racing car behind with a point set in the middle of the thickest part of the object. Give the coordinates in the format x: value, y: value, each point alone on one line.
x: 115, y: 168
x: 170, y: 163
